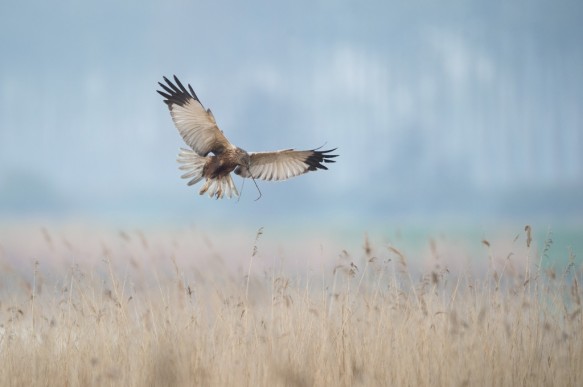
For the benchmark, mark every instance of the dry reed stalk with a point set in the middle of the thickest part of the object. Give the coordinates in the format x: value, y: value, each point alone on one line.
x: 382, y: 331
x: 253, y: 254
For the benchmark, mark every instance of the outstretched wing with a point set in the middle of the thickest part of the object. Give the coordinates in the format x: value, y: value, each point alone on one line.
x: 196, y: 125
x: 284, y: 164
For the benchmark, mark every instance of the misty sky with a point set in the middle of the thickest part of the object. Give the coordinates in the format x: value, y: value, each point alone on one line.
x: 456, y: 109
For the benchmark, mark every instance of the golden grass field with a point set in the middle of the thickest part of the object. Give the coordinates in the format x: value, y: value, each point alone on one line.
x: 135, y: 308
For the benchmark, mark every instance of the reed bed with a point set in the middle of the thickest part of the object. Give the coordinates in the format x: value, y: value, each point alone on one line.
x: 132, y: 309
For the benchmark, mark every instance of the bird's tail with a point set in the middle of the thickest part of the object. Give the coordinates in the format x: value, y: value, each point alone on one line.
x: 193, y: 165
x: 220, y: 187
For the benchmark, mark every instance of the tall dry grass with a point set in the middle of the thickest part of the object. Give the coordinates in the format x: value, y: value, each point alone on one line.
x: 134, y: 312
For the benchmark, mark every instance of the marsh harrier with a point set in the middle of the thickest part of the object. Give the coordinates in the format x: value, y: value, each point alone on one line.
x: 198, y: 128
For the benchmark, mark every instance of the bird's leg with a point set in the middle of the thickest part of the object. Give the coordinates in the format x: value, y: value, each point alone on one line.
x: 219, y: 191
x: 205, y: 187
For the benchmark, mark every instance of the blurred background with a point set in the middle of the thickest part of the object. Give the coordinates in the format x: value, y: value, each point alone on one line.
x: 443, y: 113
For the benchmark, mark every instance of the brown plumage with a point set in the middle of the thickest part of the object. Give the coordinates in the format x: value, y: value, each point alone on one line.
x: 213, y: 157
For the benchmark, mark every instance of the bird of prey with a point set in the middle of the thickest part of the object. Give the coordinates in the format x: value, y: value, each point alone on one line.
x: 212, y: 157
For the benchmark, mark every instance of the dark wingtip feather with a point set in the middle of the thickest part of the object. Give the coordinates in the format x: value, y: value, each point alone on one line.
x: 176, y: 95
x: 318, y: 157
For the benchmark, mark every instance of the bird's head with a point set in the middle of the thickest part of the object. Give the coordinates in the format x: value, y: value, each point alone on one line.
x: 243, y: 158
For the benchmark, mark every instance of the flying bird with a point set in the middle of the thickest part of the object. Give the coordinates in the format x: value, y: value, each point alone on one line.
x: 212, y: 157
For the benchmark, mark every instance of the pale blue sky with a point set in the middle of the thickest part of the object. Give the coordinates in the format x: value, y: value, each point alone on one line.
x: 457, y: 109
